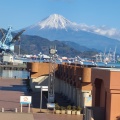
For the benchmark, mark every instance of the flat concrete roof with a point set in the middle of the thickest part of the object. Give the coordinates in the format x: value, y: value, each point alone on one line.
x: 108, y: 69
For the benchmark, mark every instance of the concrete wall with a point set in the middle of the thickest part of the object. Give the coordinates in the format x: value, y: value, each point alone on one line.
x: 57, y: 85
x: 77, y: 82
x: 70, y: 84
x: 39, y: 73
x: 109, y: 89
x: 39, y: 81
x: 67, y: 80
x: 38, y: 69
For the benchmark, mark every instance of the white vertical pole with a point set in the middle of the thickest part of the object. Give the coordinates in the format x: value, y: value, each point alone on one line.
x: 19, y: 48
x: 29, y: 108
x: 41, y: 100
x: 2, y: 109
x: 21, y: 108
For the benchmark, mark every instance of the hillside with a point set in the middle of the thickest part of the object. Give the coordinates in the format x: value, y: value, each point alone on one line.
x: 35, y: 44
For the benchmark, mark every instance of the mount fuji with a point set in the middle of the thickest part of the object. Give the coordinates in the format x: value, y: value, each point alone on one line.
x: 55, y: 21
x: 56, y: 27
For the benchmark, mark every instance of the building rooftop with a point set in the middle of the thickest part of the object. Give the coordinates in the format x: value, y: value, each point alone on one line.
x: 108, y: 69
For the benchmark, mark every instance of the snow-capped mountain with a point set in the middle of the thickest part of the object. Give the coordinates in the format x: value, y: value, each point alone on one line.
x: 56, y: 27
x: 57, y: 21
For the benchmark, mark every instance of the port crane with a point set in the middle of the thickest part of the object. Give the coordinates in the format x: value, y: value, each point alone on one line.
x: 106, y: 57
x: 7, y: 41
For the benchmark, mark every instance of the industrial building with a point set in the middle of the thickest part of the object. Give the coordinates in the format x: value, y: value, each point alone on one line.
x: 95, y: 89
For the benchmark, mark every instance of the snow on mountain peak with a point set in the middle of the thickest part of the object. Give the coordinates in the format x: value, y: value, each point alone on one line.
x: 55, y: 21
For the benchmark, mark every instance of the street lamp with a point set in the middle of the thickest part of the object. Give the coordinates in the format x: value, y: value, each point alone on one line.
x: 80, y: 78
x: 52, y: 51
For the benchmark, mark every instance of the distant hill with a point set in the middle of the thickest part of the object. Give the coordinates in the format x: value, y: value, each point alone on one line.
x: 36, y: 44
x: 78, y: 47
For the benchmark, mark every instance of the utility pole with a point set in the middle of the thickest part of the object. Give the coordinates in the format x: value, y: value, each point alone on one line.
x: 52, y: 64
x: 19, y: 49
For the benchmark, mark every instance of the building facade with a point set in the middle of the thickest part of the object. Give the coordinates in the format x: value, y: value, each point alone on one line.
x: 95, y: 88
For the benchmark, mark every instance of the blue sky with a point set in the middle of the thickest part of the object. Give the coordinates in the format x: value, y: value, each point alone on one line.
x: 23, y: 13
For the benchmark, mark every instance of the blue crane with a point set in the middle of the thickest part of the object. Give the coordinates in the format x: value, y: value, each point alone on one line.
x: 8, y: 41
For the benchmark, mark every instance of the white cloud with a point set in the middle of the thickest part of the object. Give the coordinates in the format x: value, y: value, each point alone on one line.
x: 102, y: 30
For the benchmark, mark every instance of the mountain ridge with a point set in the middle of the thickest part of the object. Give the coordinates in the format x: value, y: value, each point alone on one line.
x: 55, y: 20
x: 56, y: 27
x: 35, y: 44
